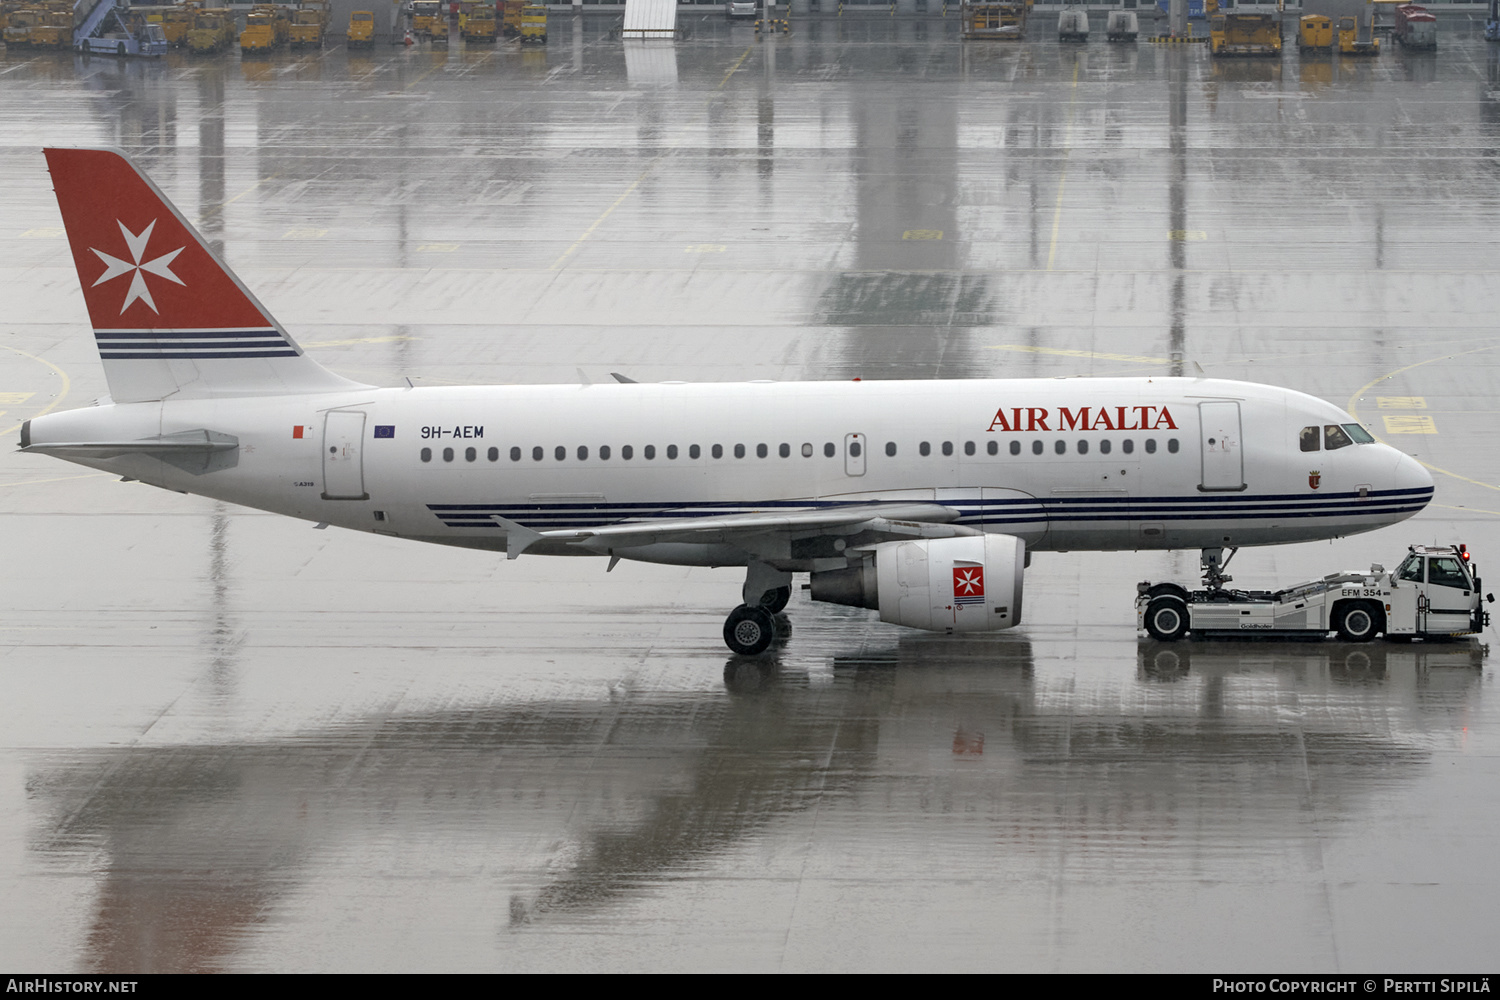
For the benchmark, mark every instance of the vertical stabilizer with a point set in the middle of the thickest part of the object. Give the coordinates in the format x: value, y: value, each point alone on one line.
x: 169, y: 317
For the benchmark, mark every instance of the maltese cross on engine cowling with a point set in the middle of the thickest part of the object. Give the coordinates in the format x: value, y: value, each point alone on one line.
x: 968, y: 584
x: 135, y: 244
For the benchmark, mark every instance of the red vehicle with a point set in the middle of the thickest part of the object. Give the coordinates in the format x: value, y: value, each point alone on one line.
x: 1416, y: 27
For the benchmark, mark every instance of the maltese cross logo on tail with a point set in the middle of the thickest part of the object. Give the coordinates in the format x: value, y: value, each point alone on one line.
x: 135, y: 244
x: 968, y: 584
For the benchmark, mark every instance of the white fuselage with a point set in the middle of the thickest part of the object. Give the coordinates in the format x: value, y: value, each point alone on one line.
x: 1097, y: 464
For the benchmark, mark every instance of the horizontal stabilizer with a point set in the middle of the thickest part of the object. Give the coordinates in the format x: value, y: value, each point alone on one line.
x: 195, y: 451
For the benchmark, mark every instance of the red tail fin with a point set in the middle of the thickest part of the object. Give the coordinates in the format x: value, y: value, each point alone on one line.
x: 169, y: 316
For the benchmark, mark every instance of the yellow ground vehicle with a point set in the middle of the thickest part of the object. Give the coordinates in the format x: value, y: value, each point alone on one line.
x: 18, y: 27
x: 1357, y: 37
x: 266, y: 28
x: 533, y: 23
x: 1315, y: 33
x: 512, y: 21
x: 175, y: 23
x: 480, y: 25
x: 361, y: 29
x: 211, y: 30
x: 1244, y: 35
x: 308, y: 24
x: 427, y: 18
x: 1002, y: 21
x: 55, y: 29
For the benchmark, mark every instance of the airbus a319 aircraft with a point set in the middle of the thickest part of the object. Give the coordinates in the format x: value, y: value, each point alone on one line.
x: 920, y: 499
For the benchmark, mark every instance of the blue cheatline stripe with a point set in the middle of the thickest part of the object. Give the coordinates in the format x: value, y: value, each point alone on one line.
x: 194, y: 355
x: 701, y: 506
x: 195, y: 344
x: 999, y: 512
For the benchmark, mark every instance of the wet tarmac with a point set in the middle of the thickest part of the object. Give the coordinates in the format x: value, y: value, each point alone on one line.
x: 233, y: 742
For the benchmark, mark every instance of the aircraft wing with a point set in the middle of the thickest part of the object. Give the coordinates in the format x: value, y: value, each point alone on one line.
x: 893, y: 520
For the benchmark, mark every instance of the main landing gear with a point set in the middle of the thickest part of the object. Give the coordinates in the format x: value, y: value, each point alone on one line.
x: 752, y: 627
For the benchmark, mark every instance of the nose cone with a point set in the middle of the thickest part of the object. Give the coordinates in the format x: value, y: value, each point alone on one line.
x: 1410, y: 483
x: 1412, y: 475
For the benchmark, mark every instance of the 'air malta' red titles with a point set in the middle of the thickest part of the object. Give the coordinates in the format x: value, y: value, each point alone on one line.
x: 1086, y: 418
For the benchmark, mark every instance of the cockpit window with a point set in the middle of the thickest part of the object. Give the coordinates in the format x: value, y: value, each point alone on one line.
x: 1411, y: 569
x: 1359, y: 434
x: 1308, y: 439
x: 1446, y: 572
x: 1334, y: 437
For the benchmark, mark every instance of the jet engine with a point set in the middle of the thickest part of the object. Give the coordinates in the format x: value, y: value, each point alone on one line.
x: 971, y: 583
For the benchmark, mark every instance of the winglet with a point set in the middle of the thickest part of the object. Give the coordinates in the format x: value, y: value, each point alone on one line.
x: 518, y: 537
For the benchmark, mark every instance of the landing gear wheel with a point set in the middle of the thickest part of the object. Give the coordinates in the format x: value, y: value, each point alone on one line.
x: 776, y: 600
x: 749, y: 629
x: 1358, y: 622
x: 1167, y: 619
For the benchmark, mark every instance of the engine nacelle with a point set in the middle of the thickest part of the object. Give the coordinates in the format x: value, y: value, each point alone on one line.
x: 971, y: 583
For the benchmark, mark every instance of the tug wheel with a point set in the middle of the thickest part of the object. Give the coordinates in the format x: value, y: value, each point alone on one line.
x: 1167, y: 619
x: 1358, y: 622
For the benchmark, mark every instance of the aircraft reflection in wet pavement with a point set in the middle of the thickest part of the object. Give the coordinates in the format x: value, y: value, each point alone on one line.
x: 919, y: 499
x: 212, y: 837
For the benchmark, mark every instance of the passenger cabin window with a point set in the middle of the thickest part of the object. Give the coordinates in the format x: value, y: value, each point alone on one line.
x: 1334, y: 437
x: 1308, y: 439
x: 807, y: 449
x: 694, y: 451
x: 924, y: 449
x: 968, y: 447
x: 1447, y: 572
x: 890, y: 449
x: 993, y: 447
x: 829, y: 450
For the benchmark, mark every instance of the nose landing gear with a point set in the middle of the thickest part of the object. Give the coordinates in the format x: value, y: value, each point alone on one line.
x: 1214, y: 562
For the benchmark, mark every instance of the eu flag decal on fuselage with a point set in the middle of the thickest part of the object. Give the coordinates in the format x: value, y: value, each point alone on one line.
x: 385, y: 430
